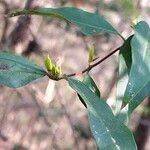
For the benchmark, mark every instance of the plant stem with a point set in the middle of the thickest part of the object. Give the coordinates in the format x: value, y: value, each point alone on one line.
x: 122, y: 37
x: 91, y: 66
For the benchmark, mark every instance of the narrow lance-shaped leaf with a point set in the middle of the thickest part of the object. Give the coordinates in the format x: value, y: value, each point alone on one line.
x: 138, y: 87
x: 91, y: 84
x: 110, y: 134
x: 89, y: 23
x: 125, y: 61
x: 87, y: 80
x: 16, y: 71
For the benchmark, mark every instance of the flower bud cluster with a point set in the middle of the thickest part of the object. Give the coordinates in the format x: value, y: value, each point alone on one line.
x: 54, y: 71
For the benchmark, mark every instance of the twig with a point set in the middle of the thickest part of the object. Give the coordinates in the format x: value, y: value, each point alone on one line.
x: 89, y: 68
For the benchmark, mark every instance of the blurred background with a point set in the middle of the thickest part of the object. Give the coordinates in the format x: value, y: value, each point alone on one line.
x: 47, y: 115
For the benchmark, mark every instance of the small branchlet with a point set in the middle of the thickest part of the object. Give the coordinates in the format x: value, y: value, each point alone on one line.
x: 55, y: 73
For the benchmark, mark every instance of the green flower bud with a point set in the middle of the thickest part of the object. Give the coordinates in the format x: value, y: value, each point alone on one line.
x: 48, y: 63
x: 53, y: 72
x: 91, y: 54
x: 57, y: 70
x: 60, y: 71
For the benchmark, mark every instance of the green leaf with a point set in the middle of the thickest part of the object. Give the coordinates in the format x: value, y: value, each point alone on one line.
x: 87, y: 80
x: 91, y: 84
x: 125, y: 61
x: 89, y: 23
x: 110, y: 134
x: 16, y: 71
x: 138, y: 87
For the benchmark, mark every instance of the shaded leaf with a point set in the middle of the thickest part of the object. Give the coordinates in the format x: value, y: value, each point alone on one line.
x: 110, y: 134
x: 138, y: 87
x: 87, y: 80
x: 125, y: 61
x: 91, y: 84
x: 16, y: 71
x: 89, y: 23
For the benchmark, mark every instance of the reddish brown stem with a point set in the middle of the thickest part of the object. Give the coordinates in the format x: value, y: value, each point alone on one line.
x: 92, y: 66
